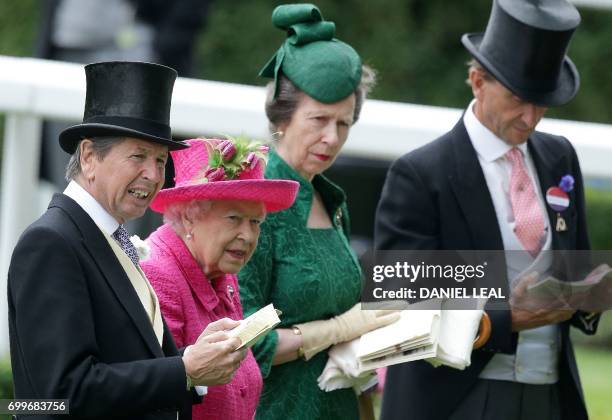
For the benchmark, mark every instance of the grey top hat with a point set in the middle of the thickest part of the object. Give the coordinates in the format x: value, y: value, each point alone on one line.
x: 125, y: 98
x: 524, y: 47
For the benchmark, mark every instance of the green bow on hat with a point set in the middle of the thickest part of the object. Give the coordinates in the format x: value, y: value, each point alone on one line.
x: 323, y: 67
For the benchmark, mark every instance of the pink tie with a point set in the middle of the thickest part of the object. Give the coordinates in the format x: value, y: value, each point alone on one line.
x: 528, y: 218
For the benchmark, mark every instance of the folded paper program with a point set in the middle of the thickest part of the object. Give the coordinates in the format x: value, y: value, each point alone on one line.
x: 439, y: 336
x: 592, y: 293
x: 256, y: 326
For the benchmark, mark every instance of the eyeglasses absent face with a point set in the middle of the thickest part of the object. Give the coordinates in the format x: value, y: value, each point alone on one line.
x: 509, y: 117
x: 127, y: 178
x: 224, y: 237
x: 313, y: 138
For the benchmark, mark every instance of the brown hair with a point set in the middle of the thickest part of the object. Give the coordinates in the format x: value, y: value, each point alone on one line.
x: 280, y: 110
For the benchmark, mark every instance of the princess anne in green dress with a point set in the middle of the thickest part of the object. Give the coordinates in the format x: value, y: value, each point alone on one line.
x: 303, y: 262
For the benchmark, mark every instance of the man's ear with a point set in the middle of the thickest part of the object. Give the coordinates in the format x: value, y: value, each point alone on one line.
x: 88, y: 159
x: 477, y: 81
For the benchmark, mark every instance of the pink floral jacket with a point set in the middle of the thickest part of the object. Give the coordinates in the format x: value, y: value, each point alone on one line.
x: 189, y: 302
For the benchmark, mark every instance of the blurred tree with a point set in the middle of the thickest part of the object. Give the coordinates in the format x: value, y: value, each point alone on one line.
x: 415, y: 46
x: 18, y: 26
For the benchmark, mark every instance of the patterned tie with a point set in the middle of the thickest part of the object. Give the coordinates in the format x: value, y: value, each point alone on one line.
x: 528, y: 218
x: 122, y: 237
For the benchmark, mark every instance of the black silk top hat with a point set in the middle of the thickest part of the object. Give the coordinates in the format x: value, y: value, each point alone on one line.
x: 130, y: 99
x: 524, y: 47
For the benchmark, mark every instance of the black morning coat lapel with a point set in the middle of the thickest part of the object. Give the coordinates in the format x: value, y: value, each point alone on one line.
x: 550, y: 169
x: 101, y: 252
x: 470, y: 187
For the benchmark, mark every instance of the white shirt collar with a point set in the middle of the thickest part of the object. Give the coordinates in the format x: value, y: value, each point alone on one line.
x: 91, y: 206
x: 488, y: 146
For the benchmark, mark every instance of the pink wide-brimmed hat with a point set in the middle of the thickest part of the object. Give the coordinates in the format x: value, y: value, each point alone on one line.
x: 231, y: 169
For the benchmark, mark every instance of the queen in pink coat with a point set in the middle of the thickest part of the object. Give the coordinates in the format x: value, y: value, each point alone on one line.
x: 211, y: 226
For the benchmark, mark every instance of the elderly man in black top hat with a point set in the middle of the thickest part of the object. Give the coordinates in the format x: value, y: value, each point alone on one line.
x: 84, y: 322
x: 482, y: 186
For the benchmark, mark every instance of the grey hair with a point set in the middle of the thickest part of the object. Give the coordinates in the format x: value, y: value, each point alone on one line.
x: 193, y: 210
x: 101, y: 147
x: 473, y: 64
x: 280, y: 110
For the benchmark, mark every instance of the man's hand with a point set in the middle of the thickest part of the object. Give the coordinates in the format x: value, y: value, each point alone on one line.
x: 529, y: 312
x: 213, y: 359
x: 524, y: 319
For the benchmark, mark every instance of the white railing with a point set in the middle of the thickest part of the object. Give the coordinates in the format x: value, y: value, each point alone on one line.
x: 32, y: 89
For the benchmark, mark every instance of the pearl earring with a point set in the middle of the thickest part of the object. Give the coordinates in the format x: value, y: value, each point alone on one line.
x: 189, y: 236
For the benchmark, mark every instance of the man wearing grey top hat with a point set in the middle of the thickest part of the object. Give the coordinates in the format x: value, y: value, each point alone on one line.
x: 482, y: 186
x: 84, y: 322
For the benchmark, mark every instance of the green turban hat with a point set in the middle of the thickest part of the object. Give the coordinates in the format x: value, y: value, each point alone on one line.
x: 320, y: 65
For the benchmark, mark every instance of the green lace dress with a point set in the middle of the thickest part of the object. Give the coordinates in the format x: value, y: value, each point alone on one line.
x: 308, y: 274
